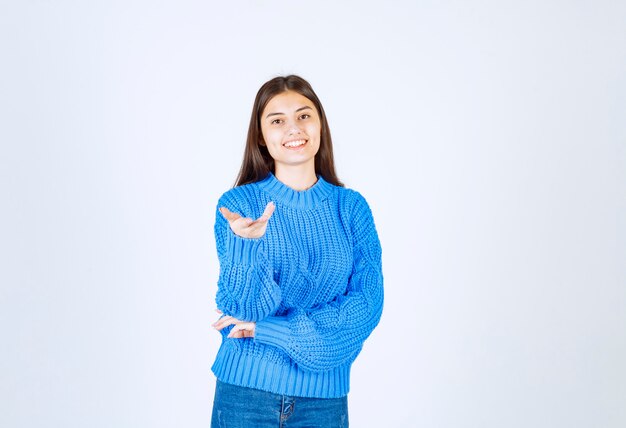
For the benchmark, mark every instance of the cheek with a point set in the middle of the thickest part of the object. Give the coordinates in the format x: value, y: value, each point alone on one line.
x: 268, y: 136
x: 314, y: 131
x: 273, y: 142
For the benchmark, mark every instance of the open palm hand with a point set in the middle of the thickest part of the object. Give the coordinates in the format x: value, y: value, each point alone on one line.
x: 247, y: 227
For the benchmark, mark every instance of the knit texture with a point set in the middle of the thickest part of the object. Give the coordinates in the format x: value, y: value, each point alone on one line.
x: 313, y: 284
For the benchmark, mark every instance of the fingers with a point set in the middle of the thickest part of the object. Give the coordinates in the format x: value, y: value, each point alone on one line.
x: 267, y: 213
x: 224, y: 322
x: 261, y: 222
x: 242, y: 329
x: 241, y: 334
x: 229, y: 215
x: 246, y: 227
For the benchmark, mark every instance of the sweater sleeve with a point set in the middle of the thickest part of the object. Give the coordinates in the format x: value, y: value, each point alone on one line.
x: 332, y: 334
x: 246, y: 288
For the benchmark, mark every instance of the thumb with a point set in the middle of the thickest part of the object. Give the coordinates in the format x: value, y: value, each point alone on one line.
x: 269, y: 210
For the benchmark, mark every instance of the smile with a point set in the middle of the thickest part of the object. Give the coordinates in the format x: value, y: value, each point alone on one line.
x: 294, y: 143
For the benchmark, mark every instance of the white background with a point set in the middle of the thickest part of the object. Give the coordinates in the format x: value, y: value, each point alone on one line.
x: 488, y: 137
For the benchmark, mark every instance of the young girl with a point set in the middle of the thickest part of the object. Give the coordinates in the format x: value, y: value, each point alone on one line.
x: 301, y: 284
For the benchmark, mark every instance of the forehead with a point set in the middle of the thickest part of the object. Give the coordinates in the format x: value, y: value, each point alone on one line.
x: 286, y: 102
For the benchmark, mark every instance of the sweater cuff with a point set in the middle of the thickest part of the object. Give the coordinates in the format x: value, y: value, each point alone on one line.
x: 242, y: 250
x: 272, y: 331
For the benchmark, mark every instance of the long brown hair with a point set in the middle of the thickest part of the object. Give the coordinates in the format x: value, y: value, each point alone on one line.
x: 257, y: 161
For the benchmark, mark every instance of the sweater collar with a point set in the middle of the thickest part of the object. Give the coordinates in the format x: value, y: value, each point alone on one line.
x: 302, y: 199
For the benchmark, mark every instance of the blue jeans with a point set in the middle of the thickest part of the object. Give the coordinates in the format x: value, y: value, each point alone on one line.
x: 240, y: 407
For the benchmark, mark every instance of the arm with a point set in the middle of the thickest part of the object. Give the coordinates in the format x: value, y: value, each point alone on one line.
x: 333, y: 333
x: 246, y: 287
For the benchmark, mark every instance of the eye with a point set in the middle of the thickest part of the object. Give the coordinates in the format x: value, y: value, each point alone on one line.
x: 276, y: 121
x: 305, y: 116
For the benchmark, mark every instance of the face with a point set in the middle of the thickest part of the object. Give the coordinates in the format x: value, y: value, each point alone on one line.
x: 291, y: 130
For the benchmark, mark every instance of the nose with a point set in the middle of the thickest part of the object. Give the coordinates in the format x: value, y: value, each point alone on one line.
x: 293, y: 129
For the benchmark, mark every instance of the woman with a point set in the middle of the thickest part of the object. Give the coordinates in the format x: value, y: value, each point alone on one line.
x: 300, y: 285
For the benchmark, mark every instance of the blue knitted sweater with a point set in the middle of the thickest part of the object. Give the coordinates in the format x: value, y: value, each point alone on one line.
x: 313, y: 284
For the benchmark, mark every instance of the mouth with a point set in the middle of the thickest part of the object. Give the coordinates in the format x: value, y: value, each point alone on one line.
x: 295, y: 144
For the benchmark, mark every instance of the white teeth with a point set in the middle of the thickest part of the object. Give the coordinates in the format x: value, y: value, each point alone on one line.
x: 295, y: 143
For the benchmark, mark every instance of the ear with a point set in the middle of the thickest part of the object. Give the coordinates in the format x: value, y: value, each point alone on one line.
x: 261, y: 142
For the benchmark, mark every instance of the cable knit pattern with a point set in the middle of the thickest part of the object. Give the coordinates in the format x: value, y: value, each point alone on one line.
x: 313, y: 284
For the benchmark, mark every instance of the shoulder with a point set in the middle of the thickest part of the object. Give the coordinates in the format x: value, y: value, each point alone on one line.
x: 354, y: 209
x: 357, y: 216
x: 352, y: 199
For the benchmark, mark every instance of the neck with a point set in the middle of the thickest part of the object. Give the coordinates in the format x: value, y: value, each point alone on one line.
x: 298, y: 177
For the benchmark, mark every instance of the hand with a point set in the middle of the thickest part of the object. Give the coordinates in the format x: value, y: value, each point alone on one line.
x: 246, y: 227
x: 240, y: 330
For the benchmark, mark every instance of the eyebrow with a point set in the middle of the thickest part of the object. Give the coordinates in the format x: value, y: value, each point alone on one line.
x: 300, y: 109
